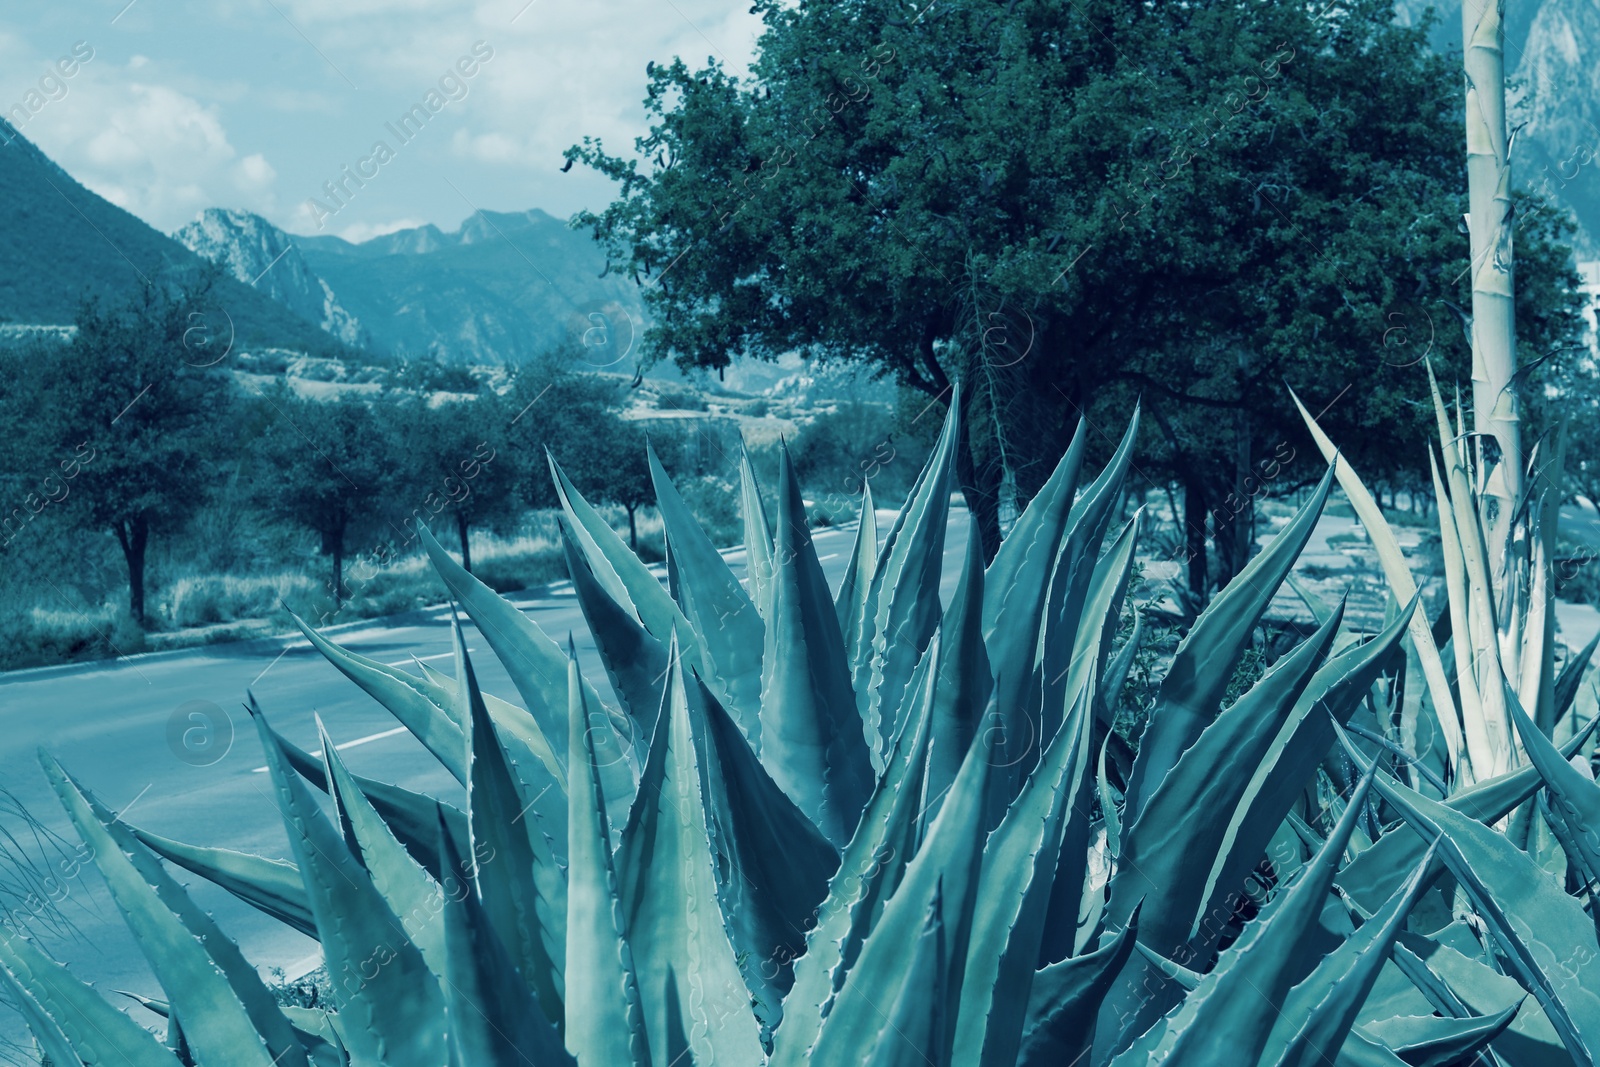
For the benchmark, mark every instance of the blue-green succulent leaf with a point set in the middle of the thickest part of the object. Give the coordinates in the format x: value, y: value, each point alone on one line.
x: 493, y: 1019
x: 730, y: 629
x: 669, y: 899
x: 812, y: 741
x: 389, y: 1003
x: 100, y: 1035
x: 604, y: 1018
x: 226, y: 1010
x: 1195, y: 682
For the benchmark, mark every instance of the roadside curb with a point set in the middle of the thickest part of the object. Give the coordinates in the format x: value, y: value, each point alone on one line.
x: 283, y: 643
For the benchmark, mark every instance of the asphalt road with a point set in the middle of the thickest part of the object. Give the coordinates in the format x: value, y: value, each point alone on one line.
x: 120, y: 728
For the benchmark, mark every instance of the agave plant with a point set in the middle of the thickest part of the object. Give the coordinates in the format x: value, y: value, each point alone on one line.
x: 869, y: 828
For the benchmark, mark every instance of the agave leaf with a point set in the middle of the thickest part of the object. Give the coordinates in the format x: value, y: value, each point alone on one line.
x: 767, y: 894
x: 1203, y: 664
x: 1016, y: 579
x: 522, y: 891
x: 430, y: 701
x: 389, y: 1003
x: 964, y: 684
x: 1081, y: 612
x: 1066, y: 997
x: 812, y: 742
x: 851, y: 603
x: 903, y: 600
x: 318, y: 1032
x: 869, y: 873
x: 605, y: 1020
x: 1318, y: 606
x: 52, y: 1043
x: 1319, y: 1012
x: 757, y: 533
x: 414, y: 897
x: 1335, y: 692
x: 1061, y: 934
x: 622, y: 573
x: 406, y: 697
x: 226, y: 1012
x: 1429, y: 1041
x: 1359, y: 1050
x: 271, y: 886
x: 511, y: 721
x: 913, y: 1034
x: 729, y: 627
x: 1458, y: 601
x: 947, y: 866
x: 634, y: 660
x: 1369, y: 877
x: 1174, y: 971
x: 406, y: 813
x: 1529, y: 1040
x: 99, y: 1035
x: 1167, y: 853
x: 1545, y: 934
x: 1052, y: 613
x: 1019, y: 872
x: 493, y: 1019
x: 537, y: 667
x: 1107, y: 589
x: 1570, y: 679
x: 1116, y: 672
x: 669, y: 898
x: 1400, y: 581
x: 1575, y: 799
x: 1229, y: 1015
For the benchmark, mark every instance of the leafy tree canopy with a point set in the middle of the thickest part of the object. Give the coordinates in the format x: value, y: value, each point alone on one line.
x: 1069, y: 206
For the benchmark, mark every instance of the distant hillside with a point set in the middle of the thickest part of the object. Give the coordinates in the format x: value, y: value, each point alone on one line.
x: 502, y: 288
x: 259, y: 254
x: 60, y: 243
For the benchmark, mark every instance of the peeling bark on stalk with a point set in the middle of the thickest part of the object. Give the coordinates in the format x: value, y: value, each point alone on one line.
x: 1495, y: 403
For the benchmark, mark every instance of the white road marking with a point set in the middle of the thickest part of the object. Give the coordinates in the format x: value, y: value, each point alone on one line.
x: 422, y: 659
x: 349, y: 744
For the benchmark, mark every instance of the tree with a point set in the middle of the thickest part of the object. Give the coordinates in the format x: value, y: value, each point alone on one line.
x: 552, y: 408
x: 140, y: 386
x: 619, y: 469
x: 1064, y: 207
x: 458, y: 464
x: 328, y: 465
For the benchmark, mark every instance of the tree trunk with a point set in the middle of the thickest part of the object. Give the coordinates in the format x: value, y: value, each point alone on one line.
x: 1194, y: 521
x: 979, y: 485
x: 133, y: 535
x: 1228, y: 521
x: 333, y: 545
x: 466, y: 553
x: 633, y: 527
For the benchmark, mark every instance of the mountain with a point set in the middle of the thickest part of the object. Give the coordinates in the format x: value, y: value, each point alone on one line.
x: 502, y: 288
x: 1552, y: 56
x: 61, y: 243
x: 259, y: 254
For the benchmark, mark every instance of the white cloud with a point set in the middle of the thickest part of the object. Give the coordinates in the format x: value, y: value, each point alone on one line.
x: 366, y: 231
x: 493, y: 147
x: 150, y: 149
x: 166, y: 125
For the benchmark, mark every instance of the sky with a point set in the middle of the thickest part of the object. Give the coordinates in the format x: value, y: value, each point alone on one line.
x: 173, y: 106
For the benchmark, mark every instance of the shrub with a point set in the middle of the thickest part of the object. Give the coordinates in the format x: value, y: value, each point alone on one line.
x: 680, y: 400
